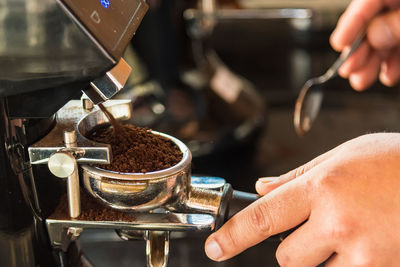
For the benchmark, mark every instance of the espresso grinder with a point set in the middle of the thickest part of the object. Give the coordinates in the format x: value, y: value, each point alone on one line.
x: 50, y: 52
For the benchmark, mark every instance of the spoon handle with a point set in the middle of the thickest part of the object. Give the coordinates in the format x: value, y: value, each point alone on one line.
x: 333, y: 70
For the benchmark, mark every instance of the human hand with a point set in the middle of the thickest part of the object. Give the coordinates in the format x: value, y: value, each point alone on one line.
x: 348, y: 199
x: 380, y: 54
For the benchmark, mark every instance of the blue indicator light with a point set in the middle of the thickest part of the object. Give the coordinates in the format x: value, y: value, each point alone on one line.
x: 105, y: 3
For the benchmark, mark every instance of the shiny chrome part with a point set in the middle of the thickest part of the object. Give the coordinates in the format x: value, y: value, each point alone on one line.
x: 131, y: 234
x: 107, y: 86
x: 48, y: 49
x: 73, y: 190
x: 204, y: 200
x: 74, y: 232
x: 207, y: 182
x: 141, y: 191
x: 63, y: 148
x: 63, y: 165
x: 87, y: 104
x: 157, y: 248
x: 140, y: 221
x: 70, y: 138
x: 86, y: 151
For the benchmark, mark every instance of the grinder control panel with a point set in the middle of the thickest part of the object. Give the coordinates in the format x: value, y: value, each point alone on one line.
x: 111, y: 22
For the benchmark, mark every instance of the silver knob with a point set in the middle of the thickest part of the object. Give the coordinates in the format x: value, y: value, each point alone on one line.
x: 63, y: 165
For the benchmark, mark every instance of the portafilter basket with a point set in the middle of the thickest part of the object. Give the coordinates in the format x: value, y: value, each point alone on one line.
x: 136, y: 191
x: 169, y: 188
x: 140, y: 191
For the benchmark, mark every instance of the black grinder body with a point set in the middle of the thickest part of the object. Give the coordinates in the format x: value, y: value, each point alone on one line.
x: 50, y: 50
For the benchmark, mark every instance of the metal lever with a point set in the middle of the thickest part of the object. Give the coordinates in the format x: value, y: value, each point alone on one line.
x: 63, y: 165
x: 104, y: 88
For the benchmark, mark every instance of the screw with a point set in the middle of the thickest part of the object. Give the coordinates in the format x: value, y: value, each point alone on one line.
x: 87, y: 104
x: 74, y: 232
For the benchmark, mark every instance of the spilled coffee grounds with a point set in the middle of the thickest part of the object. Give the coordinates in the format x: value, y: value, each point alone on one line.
x: 137, y: 149
x: 91, y: 210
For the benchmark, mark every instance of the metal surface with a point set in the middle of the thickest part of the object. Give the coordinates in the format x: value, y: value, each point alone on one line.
x: 157, y: 248
x: 43, y: 47
x: 62, y: 148
x: 111, y: 23
x: 110, y: 84
x: 138, y: 221
x: 70, y: 138
x: 201, y: 200
x: 141, y: 191
x: 207, y: 182
x: 310, y: 97
x: 87, y: 104
x: 74, y: 232
x: 86, y: 151
x: 73, y: 191
x: 62, y: 164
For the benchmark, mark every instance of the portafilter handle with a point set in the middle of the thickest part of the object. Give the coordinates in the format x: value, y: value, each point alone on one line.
x: 234, y: 201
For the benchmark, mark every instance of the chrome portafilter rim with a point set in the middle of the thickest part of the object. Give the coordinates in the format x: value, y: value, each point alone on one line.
x: 136, y: 191
x: 181, y: 165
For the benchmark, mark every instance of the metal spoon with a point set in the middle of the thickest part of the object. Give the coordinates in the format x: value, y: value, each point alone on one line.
x: 310, y: 98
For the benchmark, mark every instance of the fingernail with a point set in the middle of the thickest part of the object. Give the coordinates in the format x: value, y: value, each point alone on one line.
x: 267, y: 179
x: 343, y: 71
x: 346, y: 49
x: 384, y: 77
x: 213, y: 250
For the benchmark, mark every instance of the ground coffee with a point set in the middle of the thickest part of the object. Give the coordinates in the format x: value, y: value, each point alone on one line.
x: 91, y: 210
x: 137, y: 149
x: 114, y: 123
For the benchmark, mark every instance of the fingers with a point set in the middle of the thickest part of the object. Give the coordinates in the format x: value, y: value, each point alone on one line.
x: 356, y: 61
x: 383, y: 33
x: 336, y: 261
x: 384, y: 30
x: 390, y: 69
x: 353, y: 21
x: 276, y: 212
x: 367, y: 75
x: 305, y: 247
x: 267, y: 184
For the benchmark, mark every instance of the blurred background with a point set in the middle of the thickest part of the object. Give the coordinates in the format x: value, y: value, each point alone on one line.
x: 223, y: 76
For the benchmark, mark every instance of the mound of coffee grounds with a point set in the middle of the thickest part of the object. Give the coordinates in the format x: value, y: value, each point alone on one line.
x: 91, y: 210
x: 137, y: 149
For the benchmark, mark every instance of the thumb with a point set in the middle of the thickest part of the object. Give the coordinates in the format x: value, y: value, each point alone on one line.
x: 384, y: 30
